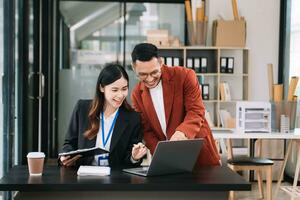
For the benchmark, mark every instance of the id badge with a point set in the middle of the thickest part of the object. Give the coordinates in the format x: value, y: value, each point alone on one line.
x: 103, y: 160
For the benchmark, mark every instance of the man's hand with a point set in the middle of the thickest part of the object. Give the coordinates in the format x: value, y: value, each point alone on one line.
x: 68, y: 161
x: 178, y: 135
x: 138, y: 151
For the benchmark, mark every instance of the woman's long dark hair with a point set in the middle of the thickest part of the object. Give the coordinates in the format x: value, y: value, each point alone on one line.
x: 109, y: 74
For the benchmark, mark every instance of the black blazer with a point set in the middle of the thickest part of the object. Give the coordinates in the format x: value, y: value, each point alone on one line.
x: 127, y: 131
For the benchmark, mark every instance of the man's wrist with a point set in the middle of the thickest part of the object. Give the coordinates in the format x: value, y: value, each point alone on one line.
x: 182, y: 133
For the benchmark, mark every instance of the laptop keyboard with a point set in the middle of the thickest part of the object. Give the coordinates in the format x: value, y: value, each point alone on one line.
x: 142, y: 170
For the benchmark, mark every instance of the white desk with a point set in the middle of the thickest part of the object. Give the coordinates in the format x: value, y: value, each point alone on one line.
x: 293, y: 138
x: 240, y: 135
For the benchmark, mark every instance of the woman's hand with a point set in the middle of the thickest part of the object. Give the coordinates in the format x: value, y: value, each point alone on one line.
x: 138, y: 151
x: 68, y: 161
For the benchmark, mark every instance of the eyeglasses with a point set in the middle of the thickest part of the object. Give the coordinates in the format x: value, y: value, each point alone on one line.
x: 154, y: 74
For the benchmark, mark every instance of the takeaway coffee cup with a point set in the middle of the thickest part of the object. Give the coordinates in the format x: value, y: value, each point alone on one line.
x: 35, y: 163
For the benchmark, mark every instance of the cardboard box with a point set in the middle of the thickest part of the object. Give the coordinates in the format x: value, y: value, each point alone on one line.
x: 159, y: 43
x: 159, y: 37
x: 174, y: 41
x: 231, y: 33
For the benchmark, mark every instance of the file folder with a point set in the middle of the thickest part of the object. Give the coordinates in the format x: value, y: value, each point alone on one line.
x: 223, y: 64
x: 204, y: 65
x: 189, y: 63
x: 169, y: 61
x: 230, y: 64
x: 205, y: 91
x: 197, y: 64
x: 176, y: 61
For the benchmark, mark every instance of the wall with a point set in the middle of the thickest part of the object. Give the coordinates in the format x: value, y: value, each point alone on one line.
x: 262, y: 38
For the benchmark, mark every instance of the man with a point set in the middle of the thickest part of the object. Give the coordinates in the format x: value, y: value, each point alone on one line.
x: 170, y: 103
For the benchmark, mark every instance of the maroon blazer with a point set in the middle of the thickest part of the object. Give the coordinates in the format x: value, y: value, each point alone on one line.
x: 184, y: 111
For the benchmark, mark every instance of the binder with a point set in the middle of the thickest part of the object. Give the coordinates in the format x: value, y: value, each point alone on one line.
x: 223, y: 64
x: 176, y: 61
x: 204, y: 65
x: 205, y: 91
x: 197, y: 64
x: 230, y: 64
x: 169, y: 61
x: 189, y: 63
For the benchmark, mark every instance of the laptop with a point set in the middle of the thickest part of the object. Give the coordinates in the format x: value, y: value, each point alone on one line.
x: 171, y: 157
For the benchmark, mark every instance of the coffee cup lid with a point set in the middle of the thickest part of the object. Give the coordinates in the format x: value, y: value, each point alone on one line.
x: 35, y: 155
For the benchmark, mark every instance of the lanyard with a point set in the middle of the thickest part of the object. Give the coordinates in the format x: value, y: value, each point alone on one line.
x: 104, y: 141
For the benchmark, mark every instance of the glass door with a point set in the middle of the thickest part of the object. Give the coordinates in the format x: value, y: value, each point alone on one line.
x: 30, y: 80
x: 94, y: 33
x: 89, y: 40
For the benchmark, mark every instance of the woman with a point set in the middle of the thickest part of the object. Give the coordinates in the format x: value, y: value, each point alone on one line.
x: 108, y: 122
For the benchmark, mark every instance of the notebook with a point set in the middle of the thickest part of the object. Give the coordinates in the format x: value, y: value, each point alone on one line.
x: 85, y: 152
x: 93, y: 171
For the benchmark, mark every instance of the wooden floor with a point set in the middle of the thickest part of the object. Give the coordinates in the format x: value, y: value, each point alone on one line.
x: 253, y: 194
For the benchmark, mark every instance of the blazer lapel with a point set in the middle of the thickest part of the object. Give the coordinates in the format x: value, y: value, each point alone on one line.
x: 150, y: 111
x: 168, y: 93
x: 90, y: 143
x: 119, y: 128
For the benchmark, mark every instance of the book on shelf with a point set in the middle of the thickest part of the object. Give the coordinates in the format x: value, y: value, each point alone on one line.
x: 227, y: 121
x: 85, y: 152
x: 225, y: 91
x: 222, y: 92
x: 209, y: 119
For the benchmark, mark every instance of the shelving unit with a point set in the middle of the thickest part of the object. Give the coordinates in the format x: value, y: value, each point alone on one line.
x: 238, y: 81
